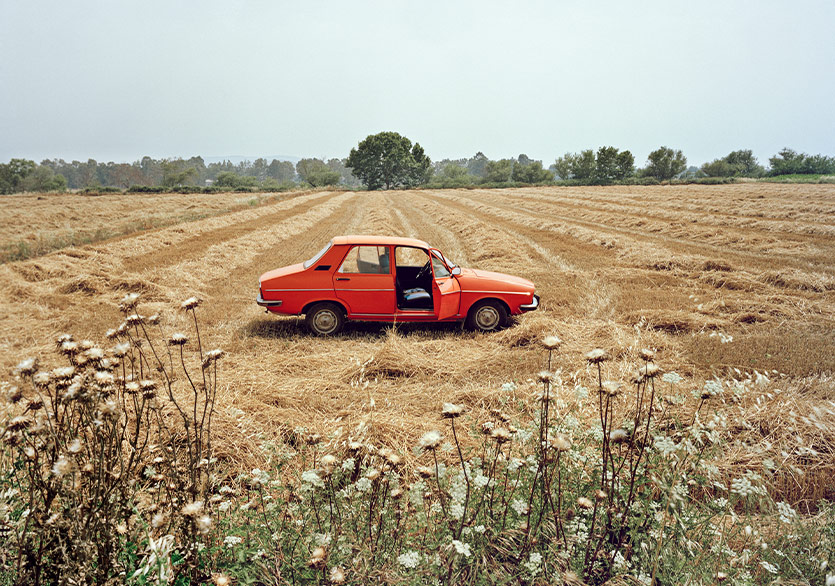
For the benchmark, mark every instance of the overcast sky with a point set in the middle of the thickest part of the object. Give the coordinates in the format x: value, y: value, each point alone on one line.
x: 115, y: 80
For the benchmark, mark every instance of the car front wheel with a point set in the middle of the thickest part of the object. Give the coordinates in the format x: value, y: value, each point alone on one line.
x: 325, y: 319
x: 487, y: 316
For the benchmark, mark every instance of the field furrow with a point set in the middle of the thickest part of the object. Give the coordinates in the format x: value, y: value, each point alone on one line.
x: 615, y: 267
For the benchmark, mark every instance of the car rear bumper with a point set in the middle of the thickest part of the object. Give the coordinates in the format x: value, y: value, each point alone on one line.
x: 267, y: 303
x: 531, y: 306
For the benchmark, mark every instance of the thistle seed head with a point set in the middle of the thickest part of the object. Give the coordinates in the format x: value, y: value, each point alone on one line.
x: 545, y: 376
x: 129, y: 301
x: 41, y: 379
x: 317, y: 558
x: 451, y: 411
x: 551, y: 342
x: 584, y: 503
x: 134, y: 319
x: 430, y: 440
x: 337, y: 575
x: 651, y: 370
x: 612, y: 388
x: 63, y: 373
x: 617, y: 436
x: 190, y: 303
x: 500, y: 435
x: 192, y: 509
x: 597, y: 356
x: 560, y: 443
x: 19, y: 423
x: 27, y: 367
x: 646, y: 354
x: 177, y: 339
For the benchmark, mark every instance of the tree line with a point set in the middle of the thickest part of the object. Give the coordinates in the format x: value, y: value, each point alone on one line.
x: 389, y: 160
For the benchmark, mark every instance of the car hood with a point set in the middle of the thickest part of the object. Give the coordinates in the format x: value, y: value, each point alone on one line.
x: 282, y: 272
x: 470, y: 278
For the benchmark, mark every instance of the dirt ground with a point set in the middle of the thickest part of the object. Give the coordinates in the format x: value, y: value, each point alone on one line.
x: 682, y: 269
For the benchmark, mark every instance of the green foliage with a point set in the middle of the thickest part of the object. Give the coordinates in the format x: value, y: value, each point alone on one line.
x: 13, y: 173
x: 317, y: 173
x: 177, y: 172
x: 389, y: 160
x: 498, y: 171
x: 609, y: 165
x: 741, y: 163
x: 234, y: 181
x: 530, y: 172
x: 606, y: 165
x: 665, y: 163
x: 452, y: 175
x: 788, y: 162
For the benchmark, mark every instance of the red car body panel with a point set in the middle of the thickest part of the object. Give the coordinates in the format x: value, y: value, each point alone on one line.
x: 292, y: 289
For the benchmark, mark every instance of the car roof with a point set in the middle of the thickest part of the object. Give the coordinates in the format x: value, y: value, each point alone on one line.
x: 379, y: 240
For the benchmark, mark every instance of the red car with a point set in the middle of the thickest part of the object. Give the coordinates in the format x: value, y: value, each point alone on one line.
x: 382, y: 278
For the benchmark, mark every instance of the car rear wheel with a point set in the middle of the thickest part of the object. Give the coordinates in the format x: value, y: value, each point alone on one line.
x: 487, y: 316
x: 325, y: 319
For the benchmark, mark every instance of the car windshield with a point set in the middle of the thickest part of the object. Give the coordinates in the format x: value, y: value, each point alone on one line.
x: 440, y: 254
x: 309, y: 263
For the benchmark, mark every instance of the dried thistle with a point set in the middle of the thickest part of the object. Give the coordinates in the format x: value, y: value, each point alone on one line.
x: 597, y: 356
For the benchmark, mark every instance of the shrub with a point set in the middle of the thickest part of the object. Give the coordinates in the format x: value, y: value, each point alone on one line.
x: 106, y: 456
x: 146, y: 189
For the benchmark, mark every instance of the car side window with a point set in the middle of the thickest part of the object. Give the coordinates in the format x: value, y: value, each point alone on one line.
x: 368, y: 260
x: 409, y: 256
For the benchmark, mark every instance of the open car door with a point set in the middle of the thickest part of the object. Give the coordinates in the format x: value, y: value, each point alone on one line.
x: 446, y: 292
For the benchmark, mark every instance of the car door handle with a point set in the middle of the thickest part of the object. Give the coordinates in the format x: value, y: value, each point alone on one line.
x: 343, y: 278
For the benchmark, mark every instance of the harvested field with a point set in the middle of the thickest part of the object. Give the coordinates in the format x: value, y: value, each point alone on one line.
x: 682, y: 269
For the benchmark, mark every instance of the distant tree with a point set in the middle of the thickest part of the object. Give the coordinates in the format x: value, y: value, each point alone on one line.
x: 388, y: 160
x: 787, y: 162
x: 606, y: 165
x: 531, y: 172
x: 13, y: 173
x: 43, y: 179
x: 177, y: 172
x: 454, y: 172
x: 665, y: 163
x: 281, y: 171
x: 563, y: 166
x: 233, y: 180
x: 524, y: 160
x: 741, y: 163
x: 498, y: 171
x: 584, y: 166
x: 317, y: 173
x: 625, y: 165
x: 477, y: 164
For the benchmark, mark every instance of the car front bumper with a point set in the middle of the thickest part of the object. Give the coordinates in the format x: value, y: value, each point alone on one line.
x: 266, y: 302
x: 531, y: 306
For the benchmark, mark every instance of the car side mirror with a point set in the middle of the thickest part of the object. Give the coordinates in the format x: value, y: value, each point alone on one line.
x: 456, y: 271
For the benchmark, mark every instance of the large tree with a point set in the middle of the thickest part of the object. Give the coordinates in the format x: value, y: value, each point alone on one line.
x: 665, y: 163
x: 388, y: 160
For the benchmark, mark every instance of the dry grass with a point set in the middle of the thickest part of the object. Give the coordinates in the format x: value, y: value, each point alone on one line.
x: 619, y: 268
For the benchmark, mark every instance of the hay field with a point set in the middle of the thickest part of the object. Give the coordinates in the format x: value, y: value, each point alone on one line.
x: 668, y: 267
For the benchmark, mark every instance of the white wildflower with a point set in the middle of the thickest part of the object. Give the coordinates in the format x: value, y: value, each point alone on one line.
x: 769, y: 567
x: 462, y: 548
x: 312, y: 478
x: 410, y: 559
x: 520, y: 506
x: 232, y: 540
x: 672, y: 378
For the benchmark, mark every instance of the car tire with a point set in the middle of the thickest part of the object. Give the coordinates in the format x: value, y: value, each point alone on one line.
x: 487, y: 316
x: 325, y: 319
